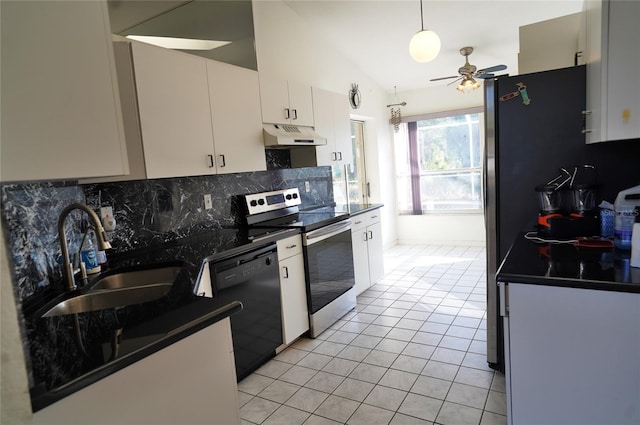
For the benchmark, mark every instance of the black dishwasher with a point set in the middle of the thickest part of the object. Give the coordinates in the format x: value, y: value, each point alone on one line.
x: 253, y: 279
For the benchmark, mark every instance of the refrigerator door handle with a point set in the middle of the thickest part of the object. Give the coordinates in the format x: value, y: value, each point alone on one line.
x: 504, y: 308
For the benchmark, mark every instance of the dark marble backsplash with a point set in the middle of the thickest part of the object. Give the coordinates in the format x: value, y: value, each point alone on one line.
x: 147, y: 213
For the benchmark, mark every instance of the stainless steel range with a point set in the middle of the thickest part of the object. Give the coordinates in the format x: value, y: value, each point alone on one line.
x: 327, y: 248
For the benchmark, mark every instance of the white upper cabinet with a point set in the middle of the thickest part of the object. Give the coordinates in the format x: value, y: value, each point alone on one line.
x: 185, y: 115
x: 234, y: 94
x: 613, y: 87
x: 331, y: 115
x: 175, y: 118
x: 61, y: 115
x: 285, y: 102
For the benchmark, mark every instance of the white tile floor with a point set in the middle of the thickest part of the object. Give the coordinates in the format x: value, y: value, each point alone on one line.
x: 412, y: 352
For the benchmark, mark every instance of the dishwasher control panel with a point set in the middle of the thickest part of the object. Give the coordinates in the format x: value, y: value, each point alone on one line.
x: 271, y: 201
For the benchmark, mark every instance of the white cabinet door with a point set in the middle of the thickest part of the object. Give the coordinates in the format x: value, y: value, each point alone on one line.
x: 236, y: 117
x: 342, y: 123
x: 331, y: 117
x: 360, y: 255
x: 285, y: 102
x: 300, y: 103
x: 324, y: 126
x: 623, y: 85
x: 613, y: 88
x: 191, y: 381
x: 293, y: 293
x: 374, y: 249
x: 61, y: 116
x: 175, y: 118
x: 573, y: 355
x: 274, y: 100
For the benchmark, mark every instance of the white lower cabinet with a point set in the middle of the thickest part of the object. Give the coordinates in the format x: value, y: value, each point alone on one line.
x: 293, y: 291
x: 571, y: 355
x: 366, y: 233
x: 191, y: 381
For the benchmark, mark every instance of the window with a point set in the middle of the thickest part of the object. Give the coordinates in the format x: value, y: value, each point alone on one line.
x: 438, y: 162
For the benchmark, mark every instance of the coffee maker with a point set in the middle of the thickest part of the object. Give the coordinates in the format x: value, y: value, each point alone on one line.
x: 568, y: 204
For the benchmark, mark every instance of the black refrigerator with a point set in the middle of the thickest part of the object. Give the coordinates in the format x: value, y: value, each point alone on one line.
x: 533, y: 126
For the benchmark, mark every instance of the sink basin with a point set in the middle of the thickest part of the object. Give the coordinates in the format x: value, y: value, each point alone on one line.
x: 162, y: 275
x: 119, y: 289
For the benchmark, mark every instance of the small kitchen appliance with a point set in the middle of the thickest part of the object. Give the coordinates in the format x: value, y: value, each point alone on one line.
x: 568, y: 204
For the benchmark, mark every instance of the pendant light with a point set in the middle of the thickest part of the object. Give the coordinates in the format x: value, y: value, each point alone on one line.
x: 425, y: 44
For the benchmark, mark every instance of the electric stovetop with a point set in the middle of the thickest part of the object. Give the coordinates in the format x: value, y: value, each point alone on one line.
x: 306, y: 220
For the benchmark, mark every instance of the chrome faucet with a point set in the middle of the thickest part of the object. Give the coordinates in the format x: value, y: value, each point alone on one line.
x: 100, y: 235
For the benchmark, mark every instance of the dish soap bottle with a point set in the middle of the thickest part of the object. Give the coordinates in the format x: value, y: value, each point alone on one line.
x: 89, y: 254
x: 623, y: 224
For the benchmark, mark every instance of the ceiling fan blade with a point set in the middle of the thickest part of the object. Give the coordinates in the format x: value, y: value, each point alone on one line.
x: 492, y: 69
x: 485, y: 76
x: 444, y: 78
x: 455, y: 81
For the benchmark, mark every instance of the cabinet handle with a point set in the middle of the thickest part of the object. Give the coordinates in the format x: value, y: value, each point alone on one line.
x: 370, y: 234
x: 340, y: 153
x: 285, y: 269
x: 365, y: 236
x: 295, y: 114
x: 502, y: 291
x: 211, y: 165
x: 291, y: 246
x: 334, y: 157
x: 368, y: 190
x: 222, y: 161
x: 373, y: 216
x: 586, y: 131
x: 358, y: 222
x: 287, y: 113
x: 587, y: 112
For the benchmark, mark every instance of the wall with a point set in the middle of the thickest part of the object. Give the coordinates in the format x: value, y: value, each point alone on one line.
x: 287, y: 48
x: 456, y: 229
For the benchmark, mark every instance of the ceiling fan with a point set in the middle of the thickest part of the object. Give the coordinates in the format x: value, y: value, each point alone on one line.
x: 468, y: 73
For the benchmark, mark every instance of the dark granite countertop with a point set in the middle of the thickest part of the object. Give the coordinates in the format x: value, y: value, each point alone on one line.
x: 355, y: 209
x: 569, y: 266
x: 60, y: 368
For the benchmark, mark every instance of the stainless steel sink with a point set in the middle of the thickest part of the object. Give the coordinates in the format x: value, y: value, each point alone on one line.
x: 119, y: 290
x: 163, y: 275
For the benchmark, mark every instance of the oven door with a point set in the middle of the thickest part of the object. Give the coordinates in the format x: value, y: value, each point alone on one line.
x: 328, y: 255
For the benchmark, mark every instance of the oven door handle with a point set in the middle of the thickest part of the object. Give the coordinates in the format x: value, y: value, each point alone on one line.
x: 326, y: 232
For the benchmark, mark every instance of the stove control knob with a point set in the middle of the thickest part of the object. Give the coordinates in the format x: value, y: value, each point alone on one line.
x: 295, y: 196
x: 288, y: 196
x: 261, y: 201
x: 253, y: 203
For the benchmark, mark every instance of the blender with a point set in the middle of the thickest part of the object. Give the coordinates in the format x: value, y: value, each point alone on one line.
x: 550, y: 197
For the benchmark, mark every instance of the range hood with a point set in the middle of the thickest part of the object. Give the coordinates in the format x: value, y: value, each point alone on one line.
x: 291, y: 135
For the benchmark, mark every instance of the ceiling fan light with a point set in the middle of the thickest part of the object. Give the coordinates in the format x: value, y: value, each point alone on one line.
x: 424, y: 46
x: 468, y: 83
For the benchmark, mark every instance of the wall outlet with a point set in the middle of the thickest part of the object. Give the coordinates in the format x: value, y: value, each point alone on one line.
x: 307, y: 187
x: 108, y: 221
x: 207, y: 202
x: 106, y: 211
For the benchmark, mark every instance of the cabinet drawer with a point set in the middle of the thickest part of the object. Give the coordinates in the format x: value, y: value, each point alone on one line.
x: 289, y: 246
x: 372, y: 217
x: 358, y: 222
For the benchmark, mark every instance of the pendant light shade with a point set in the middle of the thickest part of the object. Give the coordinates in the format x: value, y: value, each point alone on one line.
x: 425, y: 44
